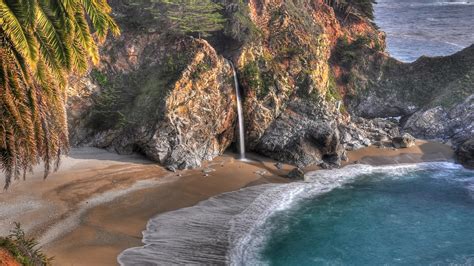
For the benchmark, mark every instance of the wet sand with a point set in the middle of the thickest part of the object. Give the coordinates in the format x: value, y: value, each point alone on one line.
x: 98, y: 203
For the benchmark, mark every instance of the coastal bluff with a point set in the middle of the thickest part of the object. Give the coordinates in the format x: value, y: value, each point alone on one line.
x: 315, y: 79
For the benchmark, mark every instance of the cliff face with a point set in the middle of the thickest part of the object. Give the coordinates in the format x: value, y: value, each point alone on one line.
x: 171, y: 99
x: 433, y: 96
x: 304, y: 68
x: 290, y: 87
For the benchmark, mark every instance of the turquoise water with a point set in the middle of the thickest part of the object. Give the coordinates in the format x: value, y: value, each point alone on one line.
x: 421, y: 217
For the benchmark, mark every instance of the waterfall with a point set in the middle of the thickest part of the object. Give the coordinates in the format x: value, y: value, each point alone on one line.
x: 239, y: 113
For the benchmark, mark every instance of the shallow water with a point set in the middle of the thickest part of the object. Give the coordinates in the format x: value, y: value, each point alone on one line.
x: 425, y: 27
x: 290, y: 224
x: 421, y: 217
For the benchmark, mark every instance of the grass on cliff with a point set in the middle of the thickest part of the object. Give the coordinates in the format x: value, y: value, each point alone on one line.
x: 239, y: 26
x: 348, y: 53
x: 114, y: 106
x: 24, y: 249
x: 253, y: 77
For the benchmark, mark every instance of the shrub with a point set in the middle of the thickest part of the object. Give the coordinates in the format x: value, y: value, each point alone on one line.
x: 24, y: 249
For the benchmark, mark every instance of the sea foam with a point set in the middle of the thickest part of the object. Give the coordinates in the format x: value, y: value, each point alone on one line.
x: 229, y: 228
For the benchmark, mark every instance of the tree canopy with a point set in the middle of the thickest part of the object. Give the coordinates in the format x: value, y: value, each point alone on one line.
x: 41, y: 43
x: 185, y: 17
x: 364, y: 7
x: 194, y: 16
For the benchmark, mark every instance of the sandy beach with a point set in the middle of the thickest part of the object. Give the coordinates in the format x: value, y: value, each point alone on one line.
x: 98, y: 203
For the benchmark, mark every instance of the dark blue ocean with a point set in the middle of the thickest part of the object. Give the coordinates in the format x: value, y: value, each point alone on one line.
x: 425, y: 27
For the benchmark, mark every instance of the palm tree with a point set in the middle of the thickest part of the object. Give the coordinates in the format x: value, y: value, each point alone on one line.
x: 41, y: 43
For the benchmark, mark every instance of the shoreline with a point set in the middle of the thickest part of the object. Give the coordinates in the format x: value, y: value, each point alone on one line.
x: 99, y: 190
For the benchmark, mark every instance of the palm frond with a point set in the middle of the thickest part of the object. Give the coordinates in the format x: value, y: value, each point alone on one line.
x: 41, y: 43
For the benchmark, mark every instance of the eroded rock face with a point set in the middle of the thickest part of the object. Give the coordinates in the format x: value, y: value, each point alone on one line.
x: 302, y: 135
x: 434, y: 96
x: 315, y: 81
x: 174, y: 102
x: 444, y: 123
x: 290, y: 92
x: 401, y: 89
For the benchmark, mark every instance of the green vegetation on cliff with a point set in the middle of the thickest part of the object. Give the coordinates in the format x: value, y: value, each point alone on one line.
x: 253, y: 77
x: 115, y: 102
x: 194, y: 16
x: 363, y: 8
x: 185, y: 17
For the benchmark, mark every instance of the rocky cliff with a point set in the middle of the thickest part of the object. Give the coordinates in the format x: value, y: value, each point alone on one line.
x: 314, y: 78
x: 433, y: 97
x: 171, y: 99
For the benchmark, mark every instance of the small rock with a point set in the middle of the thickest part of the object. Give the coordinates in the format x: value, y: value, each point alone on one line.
x: 404, y: 141
x: 171, y: 169
x: 366, y: 142
x: 347, y: 137
x: 279, y: 166
x: 325, y: 165
x: 208, y: 170
x: 378, y: 144
x: 297, y: 174
x: 344, y: 157
x: 261, y: 172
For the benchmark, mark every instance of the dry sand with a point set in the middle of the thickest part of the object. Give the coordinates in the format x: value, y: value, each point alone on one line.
x: 98, y: 203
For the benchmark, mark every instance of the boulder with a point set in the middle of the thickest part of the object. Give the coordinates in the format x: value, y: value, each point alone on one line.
x: 278, y: 166
x: 296, y: 174
x: 302, y: 135
x: 404, y: 141
x: 465, y: 153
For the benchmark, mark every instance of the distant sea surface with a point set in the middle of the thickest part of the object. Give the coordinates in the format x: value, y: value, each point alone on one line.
x: 425, y: 27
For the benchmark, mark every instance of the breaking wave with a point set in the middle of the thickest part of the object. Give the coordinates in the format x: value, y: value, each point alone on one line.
x: 228, y: 229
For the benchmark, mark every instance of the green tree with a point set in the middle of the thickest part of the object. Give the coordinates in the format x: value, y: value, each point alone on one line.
x: 365, y: 6
x: 41, y: 43
x: 194, y: 16
x: 354, y: 7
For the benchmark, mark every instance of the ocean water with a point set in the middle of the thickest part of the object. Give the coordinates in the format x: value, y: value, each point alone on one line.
x: 358, y: 215
x: 423, y: 217
x: 425, y: 27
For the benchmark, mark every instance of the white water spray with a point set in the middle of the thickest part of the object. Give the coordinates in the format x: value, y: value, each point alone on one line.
x: 239, y: 113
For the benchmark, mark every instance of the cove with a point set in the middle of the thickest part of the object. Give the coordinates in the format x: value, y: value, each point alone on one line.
x: 422, y: 217
x: 358, y: 215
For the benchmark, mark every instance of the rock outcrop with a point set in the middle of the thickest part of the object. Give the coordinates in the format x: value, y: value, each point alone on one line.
x: 303, y: 135
x: 173, y: 101
x: 296, y: 174
x: 434, y: 97
x: 315, y: 79
x: 446, y: 123
x: 465, y: 153
x: 292, y: 103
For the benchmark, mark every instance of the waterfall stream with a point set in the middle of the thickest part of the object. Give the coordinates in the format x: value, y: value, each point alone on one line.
x: 239, y: 113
